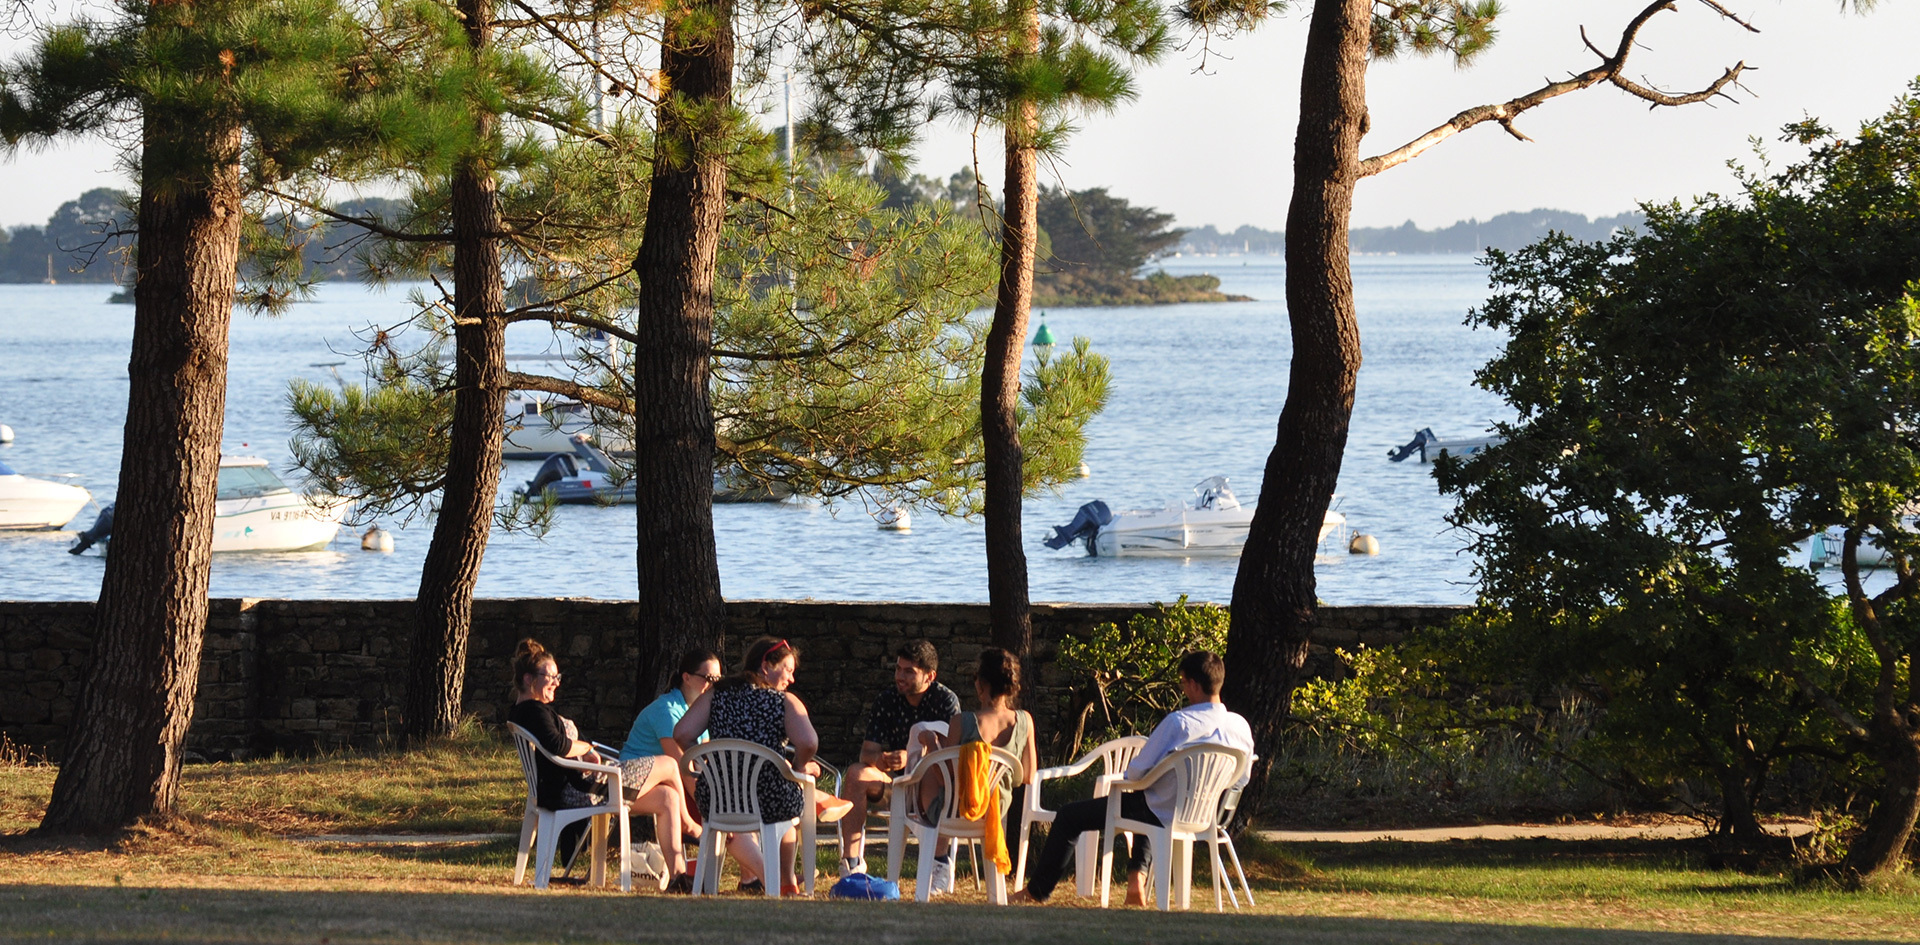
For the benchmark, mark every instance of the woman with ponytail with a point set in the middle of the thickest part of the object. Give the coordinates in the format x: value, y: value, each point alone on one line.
x: 996, y: 686
x: 650, y: 788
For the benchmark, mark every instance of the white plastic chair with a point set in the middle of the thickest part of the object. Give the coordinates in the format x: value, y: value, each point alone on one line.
x: 544, y: 826
x: 1229, y: 802
x: 928, y: 826
x: 1202, y: 774
x: 1114, y: 757
x: 730, y: 767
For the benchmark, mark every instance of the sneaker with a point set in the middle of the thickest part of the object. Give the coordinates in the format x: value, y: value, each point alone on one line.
x: 942, y: 876
x: 850, y: 866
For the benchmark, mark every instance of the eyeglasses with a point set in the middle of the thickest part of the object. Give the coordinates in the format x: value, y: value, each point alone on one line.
x: 553, y: 676
x: 710, y: 679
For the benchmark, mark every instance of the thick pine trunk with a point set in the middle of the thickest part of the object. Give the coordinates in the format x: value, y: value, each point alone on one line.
x: 123, y: 753
x: 680, y: 603
x: 1008, y: 605
x: 1882, y: 847
x: 1273, y: 594
x: 443, y: 609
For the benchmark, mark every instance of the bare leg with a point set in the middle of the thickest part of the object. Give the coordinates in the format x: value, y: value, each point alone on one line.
x: 745, y: 848
x: 862, y: 786
x: 788, y: 844
x: 663, y: 802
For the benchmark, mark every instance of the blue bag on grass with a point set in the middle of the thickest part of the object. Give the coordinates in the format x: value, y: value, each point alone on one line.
x: 862, y: 886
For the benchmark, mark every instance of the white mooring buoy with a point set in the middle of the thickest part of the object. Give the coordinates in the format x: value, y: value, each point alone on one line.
x: 894, y: 518
x: 1363, y: 545
x: 6, y: 433
x: 377, y: 539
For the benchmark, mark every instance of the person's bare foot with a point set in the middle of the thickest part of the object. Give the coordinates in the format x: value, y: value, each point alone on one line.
x: 1136, y: 890
x: 1022, y: 897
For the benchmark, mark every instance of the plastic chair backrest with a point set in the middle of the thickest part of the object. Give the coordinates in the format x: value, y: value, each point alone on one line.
x: 529, y: 750
x: 731, y: 767
x: 1003, y: 770
x: 1118, y: 753
x: 1201, y: 773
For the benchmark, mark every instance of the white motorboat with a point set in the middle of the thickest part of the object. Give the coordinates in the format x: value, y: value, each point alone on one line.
x: 1824, y: 548
x: 26, y: 502
x: 537, y: 428
x: 1215, y: 524
x: 1431, y: 447
x: 254, y: 510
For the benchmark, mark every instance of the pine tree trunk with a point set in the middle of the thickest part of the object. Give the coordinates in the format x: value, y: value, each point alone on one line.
x: 123, y: 752
x: 1882, y: 846
x: 1007, y: 602
x: 443, y: 609
x: 1273, y: 609
x: 680, y: 603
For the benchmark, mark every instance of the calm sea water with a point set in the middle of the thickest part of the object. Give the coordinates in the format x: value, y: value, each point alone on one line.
x: 1196, y: 392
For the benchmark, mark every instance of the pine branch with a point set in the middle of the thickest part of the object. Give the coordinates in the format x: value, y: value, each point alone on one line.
x: 370, y: 225
x: 591, y: 396
x: 1610, y: 70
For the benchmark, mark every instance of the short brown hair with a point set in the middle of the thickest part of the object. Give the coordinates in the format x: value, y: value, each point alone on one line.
x: 920, y: 653
x: 1205, y: 669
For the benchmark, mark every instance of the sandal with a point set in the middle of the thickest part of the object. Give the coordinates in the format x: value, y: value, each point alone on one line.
x: 681, y: 885
x: 791, y: 890
x: 753, y: 886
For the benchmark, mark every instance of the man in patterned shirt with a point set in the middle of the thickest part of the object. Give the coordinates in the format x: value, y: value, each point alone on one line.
x: 915, y: 697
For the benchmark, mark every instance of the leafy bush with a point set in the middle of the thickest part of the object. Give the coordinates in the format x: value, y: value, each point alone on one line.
x: 1131, y: 674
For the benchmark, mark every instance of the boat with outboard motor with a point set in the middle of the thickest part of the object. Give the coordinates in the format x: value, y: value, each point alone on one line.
x: 585, y: 476
x: 1215, y: 524
x: 1431, y: 447
x: 253, y: 510
x: 27, y: 502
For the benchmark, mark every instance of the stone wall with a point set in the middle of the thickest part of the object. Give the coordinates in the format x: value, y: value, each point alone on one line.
x: 302, y: 676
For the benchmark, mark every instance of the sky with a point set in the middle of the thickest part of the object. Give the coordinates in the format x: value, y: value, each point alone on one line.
x: 1211, y: 142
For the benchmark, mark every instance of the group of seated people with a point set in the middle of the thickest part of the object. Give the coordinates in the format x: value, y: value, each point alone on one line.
x: 755, y: 704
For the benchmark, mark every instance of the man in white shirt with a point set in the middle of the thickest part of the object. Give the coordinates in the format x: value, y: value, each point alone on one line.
x: 1205, y: 720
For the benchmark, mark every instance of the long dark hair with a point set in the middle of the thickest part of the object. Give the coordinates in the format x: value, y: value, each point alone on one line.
x: 758, y: 653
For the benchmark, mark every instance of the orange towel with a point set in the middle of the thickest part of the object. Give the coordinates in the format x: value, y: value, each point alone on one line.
x: 979, y: 799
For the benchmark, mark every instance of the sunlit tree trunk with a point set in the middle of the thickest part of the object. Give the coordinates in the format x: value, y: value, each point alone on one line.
x: 1274, y: 607
x: 437, y: 663
x: 680, y: 603
x: 123, y: 753
x: 1007, y: 600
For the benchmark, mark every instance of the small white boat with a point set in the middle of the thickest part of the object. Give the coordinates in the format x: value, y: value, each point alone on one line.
x: 537, y: 428
x: 1431, y: 447
x: 26, y: 502
x: 253, y: 510
x: 1824, y: 549
x: 1215, y: 524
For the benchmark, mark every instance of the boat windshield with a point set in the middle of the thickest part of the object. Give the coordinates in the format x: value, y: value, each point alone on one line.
x: 243, y: 482
x: 6, y: 470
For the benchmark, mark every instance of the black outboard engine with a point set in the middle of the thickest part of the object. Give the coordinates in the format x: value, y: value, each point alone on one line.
x: 101, y: 529
x: 557, y: 467
x: 1420, y: 441
x: 1086, y: 524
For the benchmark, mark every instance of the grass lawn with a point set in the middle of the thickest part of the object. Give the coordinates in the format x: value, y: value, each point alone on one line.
x: 231, y: 875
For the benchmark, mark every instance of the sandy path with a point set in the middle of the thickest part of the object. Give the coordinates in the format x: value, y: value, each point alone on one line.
x: 1661, y: 831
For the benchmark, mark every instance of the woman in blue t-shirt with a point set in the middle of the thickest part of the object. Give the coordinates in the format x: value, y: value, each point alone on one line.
x: 651, y: 739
